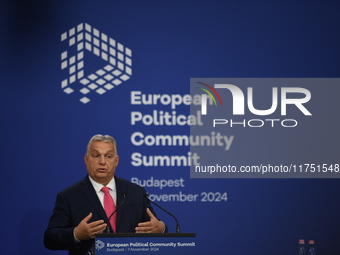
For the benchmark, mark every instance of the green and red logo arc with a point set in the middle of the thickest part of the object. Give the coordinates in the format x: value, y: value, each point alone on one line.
x: 211, y: 94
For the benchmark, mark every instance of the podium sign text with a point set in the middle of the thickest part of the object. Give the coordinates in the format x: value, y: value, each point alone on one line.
x: 166, y: 243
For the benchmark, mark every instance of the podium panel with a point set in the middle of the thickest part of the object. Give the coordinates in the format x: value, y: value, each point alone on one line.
x: 163, y: 243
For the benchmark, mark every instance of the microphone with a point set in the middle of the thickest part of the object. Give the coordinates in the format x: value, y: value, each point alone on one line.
x: 178, y: 228
x: 108, y: 225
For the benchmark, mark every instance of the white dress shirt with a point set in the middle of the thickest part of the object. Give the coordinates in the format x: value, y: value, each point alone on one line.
x: 97, y: 187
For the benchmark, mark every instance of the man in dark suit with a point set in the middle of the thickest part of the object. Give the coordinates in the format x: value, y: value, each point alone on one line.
x: 79, y: 209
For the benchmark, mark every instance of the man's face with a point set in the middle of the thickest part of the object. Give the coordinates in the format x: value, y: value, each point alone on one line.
x: 101, y: 161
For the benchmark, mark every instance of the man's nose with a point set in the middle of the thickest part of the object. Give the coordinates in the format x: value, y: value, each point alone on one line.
x: 102, y: 160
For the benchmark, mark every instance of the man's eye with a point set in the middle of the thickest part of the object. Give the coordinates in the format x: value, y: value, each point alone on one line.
x: 96, y: 156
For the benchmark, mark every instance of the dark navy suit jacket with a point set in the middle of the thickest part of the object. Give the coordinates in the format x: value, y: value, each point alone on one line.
x: 74, y: 203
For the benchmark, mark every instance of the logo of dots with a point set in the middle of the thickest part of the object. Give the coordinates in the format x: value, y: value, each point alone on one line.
x: 99, y: 245
x: 118, y: 58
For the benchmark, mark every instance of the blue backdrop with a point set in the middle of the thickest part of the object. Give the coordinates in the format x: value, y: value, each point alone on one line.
x: 158, y: 46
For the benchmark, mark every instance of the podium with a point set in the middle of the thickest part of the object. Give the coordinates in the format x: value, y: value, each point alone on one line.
x: 145, y: 243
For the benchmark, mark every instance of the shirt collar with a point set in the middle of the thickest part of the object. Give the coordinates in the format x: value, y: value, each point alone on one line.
x: 97, y: 186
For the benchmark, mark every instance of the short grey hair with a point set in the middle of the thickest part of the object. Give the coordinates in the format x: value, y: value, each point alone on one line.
x: 102, y: 138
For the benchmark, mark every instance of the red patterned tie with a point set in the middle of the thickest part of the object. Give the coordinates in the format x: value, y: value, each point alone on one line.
x: 109, y: 207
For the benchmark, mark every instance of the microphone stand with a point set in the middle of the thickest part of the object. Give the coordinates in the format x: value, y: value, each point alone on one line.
x: 178, y: 228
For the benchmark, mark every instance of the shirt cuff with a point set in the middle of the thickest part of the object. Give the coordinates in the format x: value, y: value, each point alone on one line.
x: 75, y: 238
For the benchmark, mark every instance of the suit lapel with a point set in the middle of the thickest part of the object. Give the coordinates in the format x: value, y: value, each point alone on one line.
x: 120, y: 188
x: 92, y: 197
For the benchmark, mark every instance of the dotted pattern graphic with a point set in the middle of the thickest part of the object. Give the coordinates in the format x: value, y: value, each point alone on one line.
x: 117, y: 69
x: 99, y: 245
